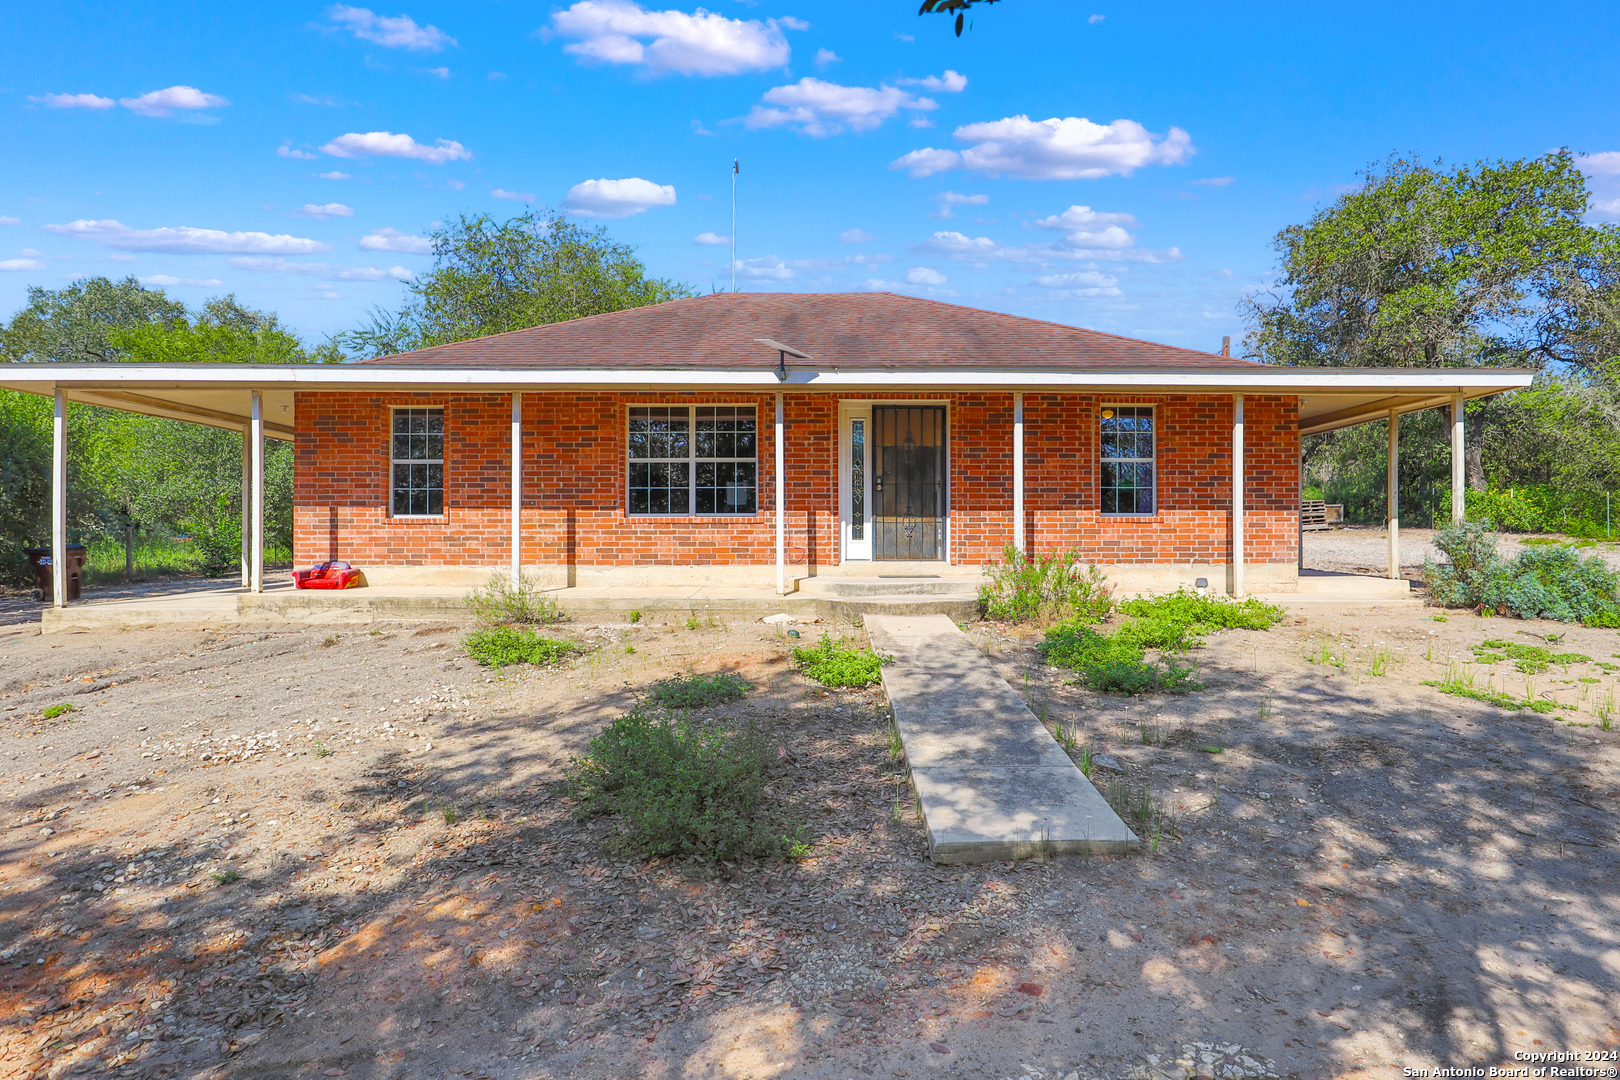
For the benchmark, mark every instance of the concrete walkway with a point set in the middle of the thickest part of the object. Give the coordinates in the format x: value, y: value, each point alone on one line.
x: 993, y: 782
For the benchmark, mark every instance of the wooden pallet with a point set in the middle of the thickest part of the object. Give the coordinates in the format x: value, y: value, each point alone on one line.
x: 1316, y: 514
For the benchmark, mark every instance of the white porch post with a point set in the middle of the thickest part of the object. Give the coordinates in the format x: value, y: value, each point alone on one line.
x: 1018, y: 471
x: 59, y: 502
x: 1237, y: 495
x: 1394, y: 488
x: 1458, y: 452
x: 781, y: 507
x: 517, y: 485
x: 256, y: 456
x: 247, y: 507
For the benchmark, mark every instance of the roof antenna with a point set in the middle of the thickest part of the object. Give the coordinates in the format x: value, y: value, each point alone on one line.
x: 1226, y: 345
x: 735, y: 169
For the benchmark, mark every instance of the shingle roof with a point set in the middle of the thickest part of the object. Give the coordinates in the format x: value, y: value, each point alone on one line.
x: 856, y: 331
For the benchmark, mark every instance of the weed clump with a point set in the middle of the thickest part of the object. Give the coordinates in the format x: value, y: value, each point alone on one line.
x: 1117, y: 662
x: 676, y: 785
x: 53, y: 711
x: 1044, y: 589
x: 1537, y: 583
x: 513, y: 601
x: 698, y: 691
x: 839, y: 664
x: 503, y: 646
x: 1529, y: 659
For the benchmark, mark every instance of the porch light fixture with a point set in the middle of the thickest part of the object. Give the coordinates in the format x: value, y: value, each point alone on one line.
x: 782, y: 353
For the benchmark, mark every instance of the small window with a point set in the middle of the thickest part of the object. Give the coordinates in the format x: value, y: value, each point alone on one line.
x: 1127, y: 459
x: 418, y: 458
x: 693, y: 459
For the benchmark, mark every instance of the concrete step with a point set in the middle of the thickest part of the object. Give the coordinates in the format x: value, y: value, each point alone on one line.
x: 897, y: 586
x: 1320, y: 583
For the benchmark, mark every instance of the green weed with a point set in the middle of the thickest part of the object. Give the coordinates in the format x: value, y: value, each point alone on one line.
x: 839, y: 664
x: 53, y: 711
x: 322, y: 750
x: 693, y: 623
x: 1381, y: 660
x: 508, y: 601
x: 503, y: 646
x: 675, y: 785
x: 227, y: 877
x: 1043, y: 589
x: 635, y: 617
x: 699, y: 691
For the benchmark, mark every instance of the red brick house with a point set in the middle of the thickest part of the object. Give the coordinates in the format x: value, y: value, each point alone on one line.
x: 753, y: 439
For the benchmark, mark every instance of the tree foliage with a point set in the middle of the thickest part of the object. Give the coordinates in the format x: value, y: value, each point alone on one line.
x: 75, y: 324
x: 489, y: 277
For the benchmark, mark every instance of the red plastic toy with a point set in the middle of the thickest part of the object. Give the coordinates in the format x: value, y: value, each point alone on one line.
x: 327, y: 575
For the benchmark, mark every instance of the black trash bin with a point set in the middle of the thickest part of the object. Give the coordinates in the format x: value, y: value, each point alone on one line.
x: 40, y: 560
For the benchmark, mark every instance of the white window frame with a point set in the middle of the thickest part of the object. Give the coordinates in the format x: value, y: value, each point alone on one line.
x: 692, y: 459
x: 1153, y: 413
x: 440, y: 461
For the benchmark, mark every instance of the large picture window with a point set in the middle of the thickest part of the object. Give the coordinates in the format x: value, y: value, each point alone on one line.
x: 700, y: 459
x: 418, y: 460
x: 1127, y: 459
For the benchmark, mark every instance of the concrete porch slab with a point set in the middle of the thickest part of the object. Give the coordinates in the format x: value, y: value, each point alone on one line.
x: 992, y: 781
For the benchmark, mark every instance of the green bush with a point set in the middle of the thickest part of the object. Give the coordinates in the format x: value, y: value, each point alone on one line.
x: 1043, y: 588
x: 675, y: 785
x: 503, y: 646
x: 698, y: 691
x: 1537, y: 583
x: 1179, y: 620
x: 1113, y: 663
x: 838, y: 663
x: 506, y: 601
x: 1553, y: 508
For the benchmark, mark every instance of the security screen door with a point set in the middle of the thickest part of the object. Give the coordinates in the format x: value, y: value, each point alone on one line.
x: 908, y: 482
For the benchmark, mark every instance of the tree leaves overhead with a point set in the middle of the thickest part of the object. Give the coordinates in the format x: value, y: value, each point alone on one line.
x: 75, y: 324
x: 489, y: 277
x: 1488, y: 264
x: 945, y: 7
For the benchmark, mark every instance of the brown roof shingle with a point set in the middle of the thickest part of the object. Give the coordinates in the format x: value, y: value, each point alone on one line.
x: 857, y: 331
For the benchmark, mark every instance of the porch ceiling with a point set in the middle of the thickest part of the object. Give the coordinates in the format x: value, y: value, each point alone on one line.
x: 218, y: 395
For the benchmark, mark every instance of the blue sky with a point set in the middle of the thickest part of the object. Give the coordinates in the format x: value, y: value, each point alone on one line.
x: 1118, y: 168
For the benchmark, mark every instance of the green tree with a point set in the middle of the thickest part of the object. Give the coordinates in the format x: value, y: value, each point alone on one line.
x: 489, y: 277
x: 75, y: 324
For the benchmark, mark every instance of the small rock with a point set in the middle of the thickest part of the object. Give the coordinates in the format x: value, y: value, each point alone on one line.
x: 1104, y: 761
x: 939, y: 1048
x: 779, y: 619
x: 1032, y: 989
x: 46, y: 834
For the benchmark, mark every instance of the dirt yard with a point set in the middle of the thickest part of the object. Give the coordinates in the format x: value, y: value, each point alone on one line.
x: 322, y: 854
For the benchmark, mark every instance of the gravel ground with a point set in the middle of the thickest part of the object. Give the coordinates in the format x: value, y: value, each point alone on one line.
x: 315, y: 854
x: 1366, y: 550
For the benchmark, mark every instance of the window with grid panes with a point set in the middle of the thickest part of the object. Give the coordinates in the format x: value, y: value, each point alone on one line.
x: 700, y: 459
x: 418, y: 462
x: 1127, y: 459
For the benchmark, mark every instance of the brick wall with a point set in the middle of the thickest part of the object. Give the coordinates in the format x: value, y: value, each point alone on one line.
x: 574, y: 482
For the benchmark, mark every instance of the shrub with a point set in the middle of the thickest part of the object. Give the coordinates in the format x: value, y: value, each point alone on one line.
x: 698, y: 691
x: 503, y: 646
x: 508, y: 602
x: 1113, y: 663
x: 679, y: 786
x: 1537, y: 583
x: 838, y: 663
x: 1043, y: 588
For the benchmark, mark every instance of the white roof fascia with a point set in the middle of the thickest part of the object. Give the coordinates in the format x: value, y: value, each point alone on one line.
x: 1262, y: 380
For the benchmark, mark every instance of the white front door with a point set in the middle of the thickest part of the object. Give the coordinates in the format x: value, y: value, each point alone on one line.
x: 855, y: 480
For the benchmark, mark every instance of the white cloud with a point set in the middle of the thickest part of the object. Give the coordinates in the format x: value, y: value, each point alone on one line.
x: 394, y: 32
x: 387, y: 144
x: 324, y: 271
x: 1083, y: 227
x: 311, y: 99
x: 960, y: 245
x: 898, y: 36
x: 166, y: 279
x: 1068, y: 148
x: 1606, y: 206
x: 1082, y: 283
x: 1095, y: 19
x: 856, y: 236
x: 710, y: 239
x: 333, y: 175
x: 948, y: 199
x: 1606, y: 163
x: 618, y: 198
x: 702, y: 43
x: 1213, y: 181
x: 514, y: 196
x: 768, y: 268
x: 496, y: 76
x: 952, y: 82
x: 21, y: 264
x: 438, y: 72
x: 289, y: 152
x: 185, y: 240
x: 396, y: 241
x: 923, y: 275
x: 30, y: 252
x: 822, y: 108
x: 165, y: 102
x: 10, y: 221
x: 73, y: 101
x: 329, y: 210
x: 827, y: 56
